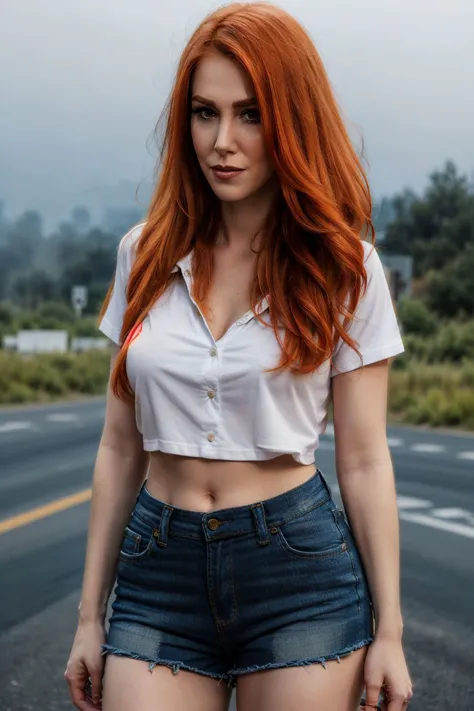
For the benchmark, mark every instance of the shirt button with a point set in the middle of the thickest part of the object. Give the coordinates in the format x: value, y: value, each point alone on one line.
x: 211, y: 394
x: 213, y: 352
x: 211, y: 437
x: 187, y: 273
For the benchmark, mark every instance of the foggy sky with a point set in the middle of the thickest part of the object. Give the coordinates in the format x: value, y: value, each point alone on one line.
x: 82, y: 83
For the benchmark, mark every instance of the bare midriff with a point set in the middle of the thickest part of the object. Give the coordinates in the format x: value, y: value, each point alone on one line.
x: 211, y: 484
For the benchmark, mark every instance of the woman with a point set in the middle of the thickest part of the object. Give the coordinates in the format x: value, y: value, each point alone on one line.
x: 244, y: 304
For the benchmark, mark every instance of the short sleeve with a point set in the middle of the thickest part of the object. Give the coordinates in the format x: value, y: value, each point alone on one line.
x: 111, y: 323
x: 374, y: 328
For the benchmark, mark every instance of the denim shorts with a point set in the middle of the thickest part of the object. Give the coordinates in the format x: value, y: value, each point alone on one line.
x: 274, y: 584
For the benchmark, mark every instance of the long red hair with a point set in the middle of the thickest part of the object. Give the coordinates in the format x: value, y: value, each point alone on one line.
x: 311, y: 260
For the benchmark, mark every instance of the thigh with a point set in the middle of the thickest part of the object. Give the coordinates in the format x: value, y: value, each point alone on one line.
x: 338, y: 687
x: 129, y: 685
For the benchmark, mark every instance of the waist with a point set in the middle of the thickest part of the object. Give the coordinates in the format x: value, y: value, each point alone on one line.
x: 234, y: 521
x: 207, y: 484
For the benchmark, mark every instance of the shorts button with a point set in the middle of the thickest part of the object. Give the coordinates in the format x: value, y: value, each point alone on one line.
x: 213, y: 524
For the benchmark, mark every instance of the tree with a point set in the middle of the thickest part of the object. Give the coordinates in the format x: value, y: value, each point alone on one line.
x: 23, y: 239
x: 31, y: 290
x: 81, y: 219
x: 450, y: 291
x: 433, y: 228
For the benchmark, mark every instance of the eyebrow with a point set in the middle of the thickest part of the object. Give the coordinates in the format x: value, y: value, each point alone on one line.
x: 252, y: 101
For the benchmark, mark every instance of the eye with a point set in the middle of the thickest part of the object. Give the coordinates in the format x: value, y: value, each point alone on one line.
x: 203, y: 113
x: 251, y: 116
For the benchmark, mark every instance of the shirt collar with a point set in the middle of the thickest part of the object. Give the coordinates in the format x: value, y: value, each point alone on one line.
x: 184, y: 265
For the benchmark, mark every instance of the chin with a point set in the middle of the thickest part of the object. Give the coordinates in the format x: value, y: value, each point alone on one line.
x: 231, y: 195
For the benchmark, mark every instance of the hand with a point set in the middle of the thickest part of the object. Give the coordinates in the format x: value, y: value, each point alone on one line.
x: 86, y: 660
x: 386, y: 673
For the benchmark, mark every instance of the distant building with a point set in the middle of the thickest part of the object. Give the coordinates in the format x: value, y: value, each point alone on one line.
x: 52, y: 341
x: 42, y: 341
x: 399, y: 273
x: 79, y: 345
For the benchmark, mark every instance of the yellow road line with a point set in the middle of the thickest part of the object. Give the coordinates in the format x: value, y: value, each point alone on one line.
x: 23, y: 519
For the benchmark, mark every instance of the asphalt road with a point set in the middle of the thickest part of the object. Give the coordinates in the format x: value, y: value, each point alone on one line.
x: 47, y: 453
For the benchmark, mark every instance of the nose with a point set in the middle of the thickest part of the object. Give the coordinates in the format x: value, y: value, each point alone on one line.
x: 225, y: 140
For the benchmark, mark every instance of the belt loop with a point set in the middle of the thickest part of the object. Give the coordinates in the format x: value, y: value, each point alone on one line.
x: 162, y: 538
x: 258, y: 513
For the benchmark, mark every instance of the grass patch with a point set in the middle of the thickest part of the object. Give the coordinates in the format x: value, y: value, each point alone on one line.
x: 440, y: 394
x: 52, y: 376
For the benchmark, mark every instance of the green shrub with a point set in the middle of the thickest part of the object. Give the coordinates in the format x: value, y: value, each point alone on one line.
x: 57, y: 311
x: 16, y: 393
x: 438, y: 394
x: 453, y: 342
x: 6, y: 314
x: 50, y: 376
x: 39, y: 375
x: 86, y: 328
x: 416, y: 349
x: 416, y: 318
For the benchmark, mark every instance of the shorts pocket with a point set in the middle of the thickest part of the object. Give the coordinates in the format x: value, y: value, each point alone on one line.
x: 138, y: 540
x: 315, y: 534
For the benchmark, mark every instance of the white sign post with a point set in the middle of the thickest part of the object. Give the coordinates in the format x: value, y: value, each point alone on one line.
x: 79, y: 299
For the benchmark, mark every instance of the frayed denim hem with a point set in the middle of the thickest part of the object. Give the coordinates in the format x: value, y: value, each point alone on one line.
x: 233, y: 673
x: 152, y: 663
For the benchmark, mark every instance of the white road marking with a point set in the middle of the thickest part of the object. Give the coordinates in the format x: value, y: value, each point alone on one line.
x: 432, y: 522
x: 465, y: 455
x: 16, y: 426
x: 468, y: 516
x: 433, y: 518
x: 62, y: 417
x: 410, y: 502
x: 394, y: 442
x: 428, y: 448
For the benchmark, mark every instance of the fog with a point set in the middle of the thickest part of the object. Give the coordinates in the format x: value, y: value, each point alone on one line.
x: 83, y: 83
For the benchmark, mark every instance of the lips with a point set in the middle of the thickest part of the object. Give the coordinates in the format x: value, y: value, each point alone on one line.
x: 226, y: 172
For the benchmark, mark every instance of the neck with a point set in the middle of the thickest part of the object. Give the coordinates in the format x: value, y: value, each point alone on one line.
x: 243, y: 220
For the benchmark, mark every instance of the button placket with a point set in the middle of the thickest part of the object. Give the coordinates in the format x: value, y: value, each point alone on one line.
x: 210, y: 385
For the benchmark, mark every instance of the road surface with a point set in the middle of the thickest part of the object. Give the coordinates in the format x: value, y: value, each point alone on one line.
x: 47, y: 455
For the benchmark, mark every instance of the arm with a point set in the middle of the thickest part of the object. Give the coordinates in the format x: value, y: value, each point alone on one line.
x: 120, y: 469
x: 366, y: 481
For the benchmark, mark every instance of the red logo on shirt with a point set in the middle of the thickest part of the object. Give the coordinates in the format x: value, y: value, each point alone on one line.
x: 134, y: 333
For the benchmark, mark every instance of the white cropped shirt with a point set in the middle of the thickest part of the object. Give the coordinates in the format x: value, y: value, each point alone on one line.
x: 199, y: 397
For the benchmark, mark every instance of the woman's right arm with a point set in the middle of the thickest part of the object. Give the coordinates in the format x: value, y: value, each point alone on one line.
x: 120, y: 469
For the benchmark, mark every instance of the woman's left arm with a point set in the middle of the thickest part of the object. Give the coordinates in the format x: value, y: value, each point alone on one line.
x: 367, y: 485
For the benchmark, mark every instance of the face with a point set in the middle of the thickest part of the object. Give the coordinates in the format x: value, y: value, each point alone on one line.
x: 226, y: 130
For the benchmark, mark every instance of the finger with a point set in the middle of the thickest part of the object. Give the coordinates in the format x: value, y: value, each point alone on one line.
x: 397, y: 703
x: 96, y: 677
x: 76, y: 686
x: 372, y: 695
